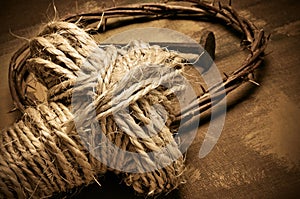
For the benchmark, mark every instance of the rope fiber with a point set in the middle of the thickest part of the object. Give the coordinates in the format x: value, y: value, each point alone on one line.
x: 47, y: 156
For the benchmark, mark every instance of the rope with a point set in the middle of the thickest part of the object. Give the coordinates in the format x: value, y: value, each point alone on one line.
x: 40, y: 158
x: 43, y: 154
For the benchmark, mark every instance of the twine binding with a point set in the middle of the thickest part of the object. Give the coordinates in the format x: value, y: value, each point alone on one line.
x: 39, y: 158
x: 63, y: 162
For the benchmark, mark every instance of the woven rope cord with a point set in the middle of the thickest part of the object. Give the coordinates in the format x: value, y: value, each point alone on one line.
x: 42, y: 152
x: 39, y: 158
x: 64, y: 156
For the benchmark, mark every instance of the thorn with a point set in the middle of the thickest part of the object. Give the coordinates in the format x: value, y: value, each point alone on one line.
x: 225, y: 75
x: 77, y: 22
x: 254, y: 82
x: 245, y: 42
x: 202, y: 88
x: 100, y: 22
x: 114, y: 3
x: 104, y: 25
x: 251, y: 76
x: 268, y: 37
x: 29, y: 86
x: 13, y: 110
x: 220, y: 5
x: 268, y: 53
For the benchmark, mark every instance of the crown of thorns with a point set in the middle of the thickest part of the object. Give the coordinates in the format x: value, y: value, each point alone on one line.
x: 253, y: 40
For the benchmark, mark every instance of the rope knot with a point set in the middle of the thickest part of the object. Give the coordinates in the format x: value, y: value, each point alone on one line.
x: 122, y: 102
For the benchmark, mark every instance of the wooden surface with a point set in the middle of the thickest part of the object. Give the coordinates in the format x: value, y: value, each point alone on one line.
x: 258, y: 153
